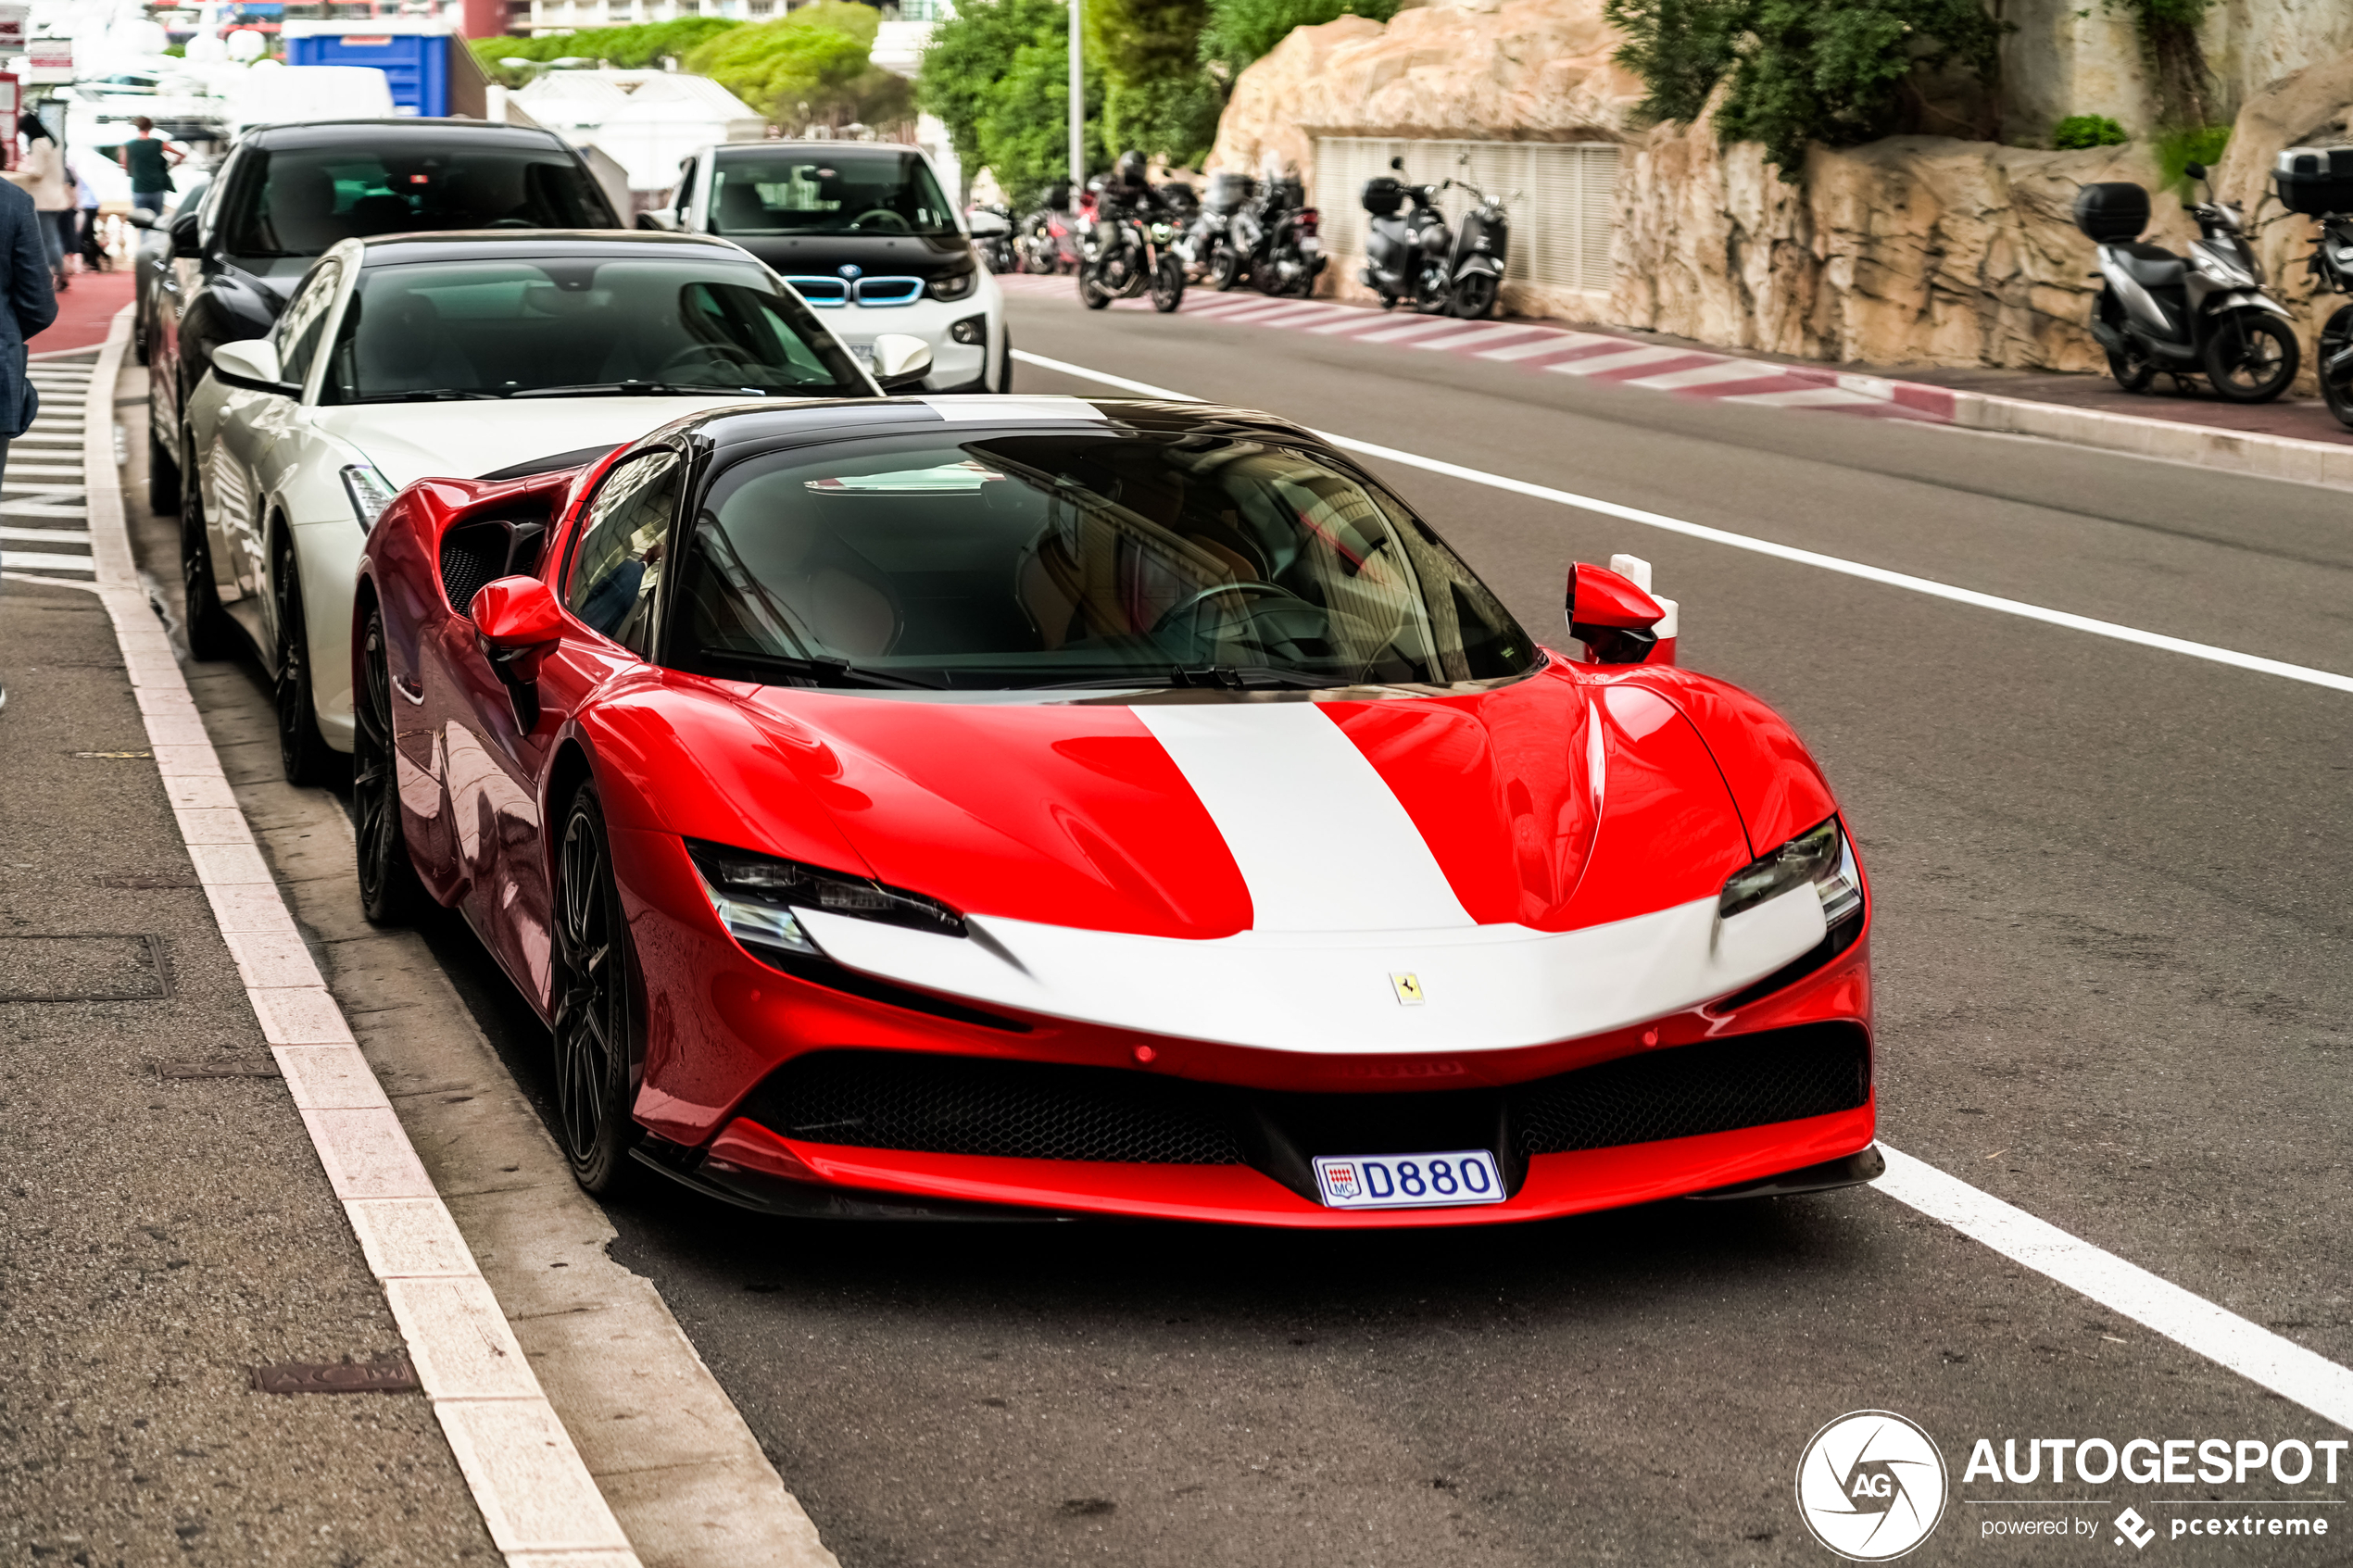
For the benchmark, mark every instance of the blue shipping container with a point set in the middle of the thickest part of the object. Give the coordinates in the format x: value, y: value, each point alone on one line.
x: 416, y: 65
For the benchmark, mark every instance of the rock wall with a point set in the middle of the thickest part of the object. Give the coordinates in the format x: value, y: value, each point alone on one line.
x: 2311, y: 108
x: 1911, y: 250
x: 1509, y: 71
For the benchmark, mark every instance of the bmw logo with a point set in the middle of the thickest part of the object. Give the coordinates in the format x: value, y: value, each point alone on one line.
x: 852, y: 271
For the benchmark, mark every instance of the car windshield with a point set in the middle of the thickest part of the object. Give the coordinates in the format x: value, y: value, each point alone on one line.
x: 293, y: 202
x: 1075, y: 560
x: 853, y: 191
x: 580, y: 326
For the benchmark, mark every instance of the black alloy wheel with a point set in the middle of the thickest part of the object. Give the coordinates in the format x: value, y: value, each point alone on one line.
x: 164, y: 485
x: 2133, y: 370
x: 211, y: 635
x: 302, y: 750
x: 2252, y: 357
x: 595, y: 1023
x: 1473, y: 297
x: 1168, y: 284
x: 2336, y: 389
x: 389, y: 891
x: 1091, y: 292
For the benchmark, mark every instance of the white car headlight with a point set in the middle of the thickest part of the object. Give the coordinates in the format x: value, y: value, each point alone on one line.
x: 1820, y: 855
x: 370, y: 493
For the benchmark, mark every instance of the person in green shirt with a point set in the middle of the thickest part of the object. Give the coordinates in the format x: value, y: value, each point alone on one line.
x: 148, y: 158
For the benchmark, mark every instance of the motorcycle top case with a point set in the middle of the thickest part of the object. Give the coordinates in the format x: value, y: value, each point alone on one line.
x: 1228, y: 192
x: 2315, y: 180
x: 1383, y: 195
x: 2111, y: 212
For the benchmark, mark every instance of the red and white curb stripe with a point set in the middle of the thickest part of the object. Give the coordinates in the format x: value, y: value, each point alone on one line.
x: 541, y: 1505
x: 1595, y: 357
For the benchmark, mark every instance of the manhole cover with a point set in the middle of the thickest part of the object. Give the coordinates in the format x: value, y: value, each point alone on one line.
x: 394, y: 1375
x: 82, y: 968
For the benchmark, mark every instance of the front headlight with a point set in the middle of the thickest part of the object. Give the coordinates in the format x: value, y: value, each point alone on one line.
x: 952, y: 285
x: 755, y: 897
x: 1820, y: 855
x: 370, y: 493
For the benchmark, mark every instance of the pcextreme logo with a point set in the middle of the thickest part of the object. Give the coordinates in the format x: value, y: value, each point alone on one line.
x: 1870, y: 1486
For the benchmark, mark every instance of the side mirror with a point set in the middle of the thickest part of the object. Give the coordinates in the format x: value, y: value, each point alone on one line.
x: 987, y: 225
x: 519, y: 622
x: 252, y: 365
x: 186, y: 245
x: 139, y: 219
x: 1614, y: 618
x: 2195, y: 171
x: 1398, y: 164
x: 900, y: 360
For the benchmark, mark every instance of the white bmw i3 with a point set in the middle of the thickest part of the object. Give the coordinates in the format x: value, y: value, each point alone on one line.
x: 495, y: 353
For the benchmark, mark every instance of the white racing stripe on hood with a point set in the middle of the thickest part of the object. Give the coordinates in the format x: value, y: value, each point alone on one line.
x: 1322, y: 841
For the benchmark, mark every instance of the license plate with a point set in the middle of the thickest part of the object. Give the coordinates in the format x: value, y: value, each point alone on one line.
x: 1409, y: 1181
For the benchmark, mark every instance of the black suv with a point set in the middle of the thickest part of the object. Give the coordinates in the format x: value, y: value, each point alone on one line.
x: 288, y: 191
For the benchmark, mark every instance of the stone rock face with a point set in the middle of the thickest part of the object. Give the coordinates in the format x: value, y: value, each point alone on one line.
x: 1508, y: 71
x: 1911, y: 250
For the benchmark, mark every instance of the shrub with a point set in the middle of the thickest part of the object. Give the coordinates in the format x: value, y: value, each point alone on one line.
x: 2178, y: 149
x: 2079, y: 131
x: 997, y: 75
x: 807, y: 67
x: 627, y: 48
x: 1238, y: 32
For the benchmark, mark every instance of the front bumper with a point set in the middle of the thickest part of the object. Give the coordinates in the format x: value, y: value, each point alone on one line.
x: 804, y: 1094
x: 955, y: 367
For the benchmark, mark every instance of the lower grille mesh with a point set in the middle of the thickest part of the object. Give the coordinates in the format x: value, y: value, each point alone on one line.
x: 958, y: 1105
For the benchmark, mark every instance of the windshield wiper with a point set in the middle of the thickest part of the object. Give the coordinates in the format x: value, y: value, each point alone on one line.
x: 1247, y: 677
x: 836, y: 672
x: 438, y: 395
x: 635, y: 389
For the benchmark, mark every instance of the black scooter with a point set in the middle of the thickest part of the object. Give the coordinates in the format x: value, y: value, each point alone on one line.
x: 2206, y: 311
x: 1415, y: 258
x: 2318, y: 183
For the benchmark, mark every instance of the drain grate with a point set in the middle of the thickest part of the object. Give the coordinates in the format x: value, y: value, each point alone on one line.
x: 82, y: 968
x: 391, y: 1375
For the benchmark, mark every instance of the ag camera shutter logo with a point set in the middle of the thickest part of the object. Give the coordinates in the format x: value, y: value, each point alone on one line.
x: 1870, y: 1486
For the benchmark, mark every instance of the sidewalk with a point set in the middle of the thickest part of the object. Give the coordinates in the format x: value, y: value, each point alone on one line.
x: 86, y: 312
x: 165, y: 1227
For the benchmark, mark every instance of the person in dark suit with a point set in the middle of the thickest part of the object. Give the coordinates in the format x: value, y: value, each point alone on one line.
x: 32, y: 304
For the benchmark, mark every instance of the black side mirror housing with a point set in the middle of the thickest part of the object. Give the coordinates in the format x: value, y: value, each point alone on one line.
x: 1398, y: 164
x: 2195, y: 171
x: 186, y: 245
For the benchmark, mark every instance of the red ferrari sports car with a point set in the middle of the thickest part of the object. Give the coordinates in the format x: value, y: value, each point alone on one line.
x: 990, y: 806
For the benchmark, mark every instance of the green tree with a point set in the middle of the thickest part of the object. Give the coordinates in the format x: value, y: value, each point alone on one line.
x: 1836, y: 71
x: 1238, y: 32
x: 627, y: 48
x: 809, y: 67
x: 1157, y: 98
x: 997, y: 76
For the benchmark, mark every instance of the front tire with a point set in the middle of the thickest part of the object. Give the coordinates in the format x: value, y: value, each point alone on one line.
x: 1472, y: 297
x: 390, y: 893
x: 163, y: 476
x: 1091, y: 293
x: 302, y: 750
x: 1225, y: 269
x: 595, y: 1026
x: 2252, y: 357
x: 210, y: 631
x: 1168, y: 284
x: 2132, y: 371
x: 2337, y: 392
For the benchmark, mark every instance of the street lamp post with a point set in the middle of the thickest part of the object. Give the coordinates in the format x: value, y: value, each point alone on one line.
x: 1077, y: 103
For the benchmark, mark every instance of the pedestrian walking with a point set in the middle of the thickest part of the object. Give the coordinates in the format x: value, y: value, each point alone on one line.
x: 41, y: 174
x: 31, y: 305
x: 85, y: 233
x: 148, y: 158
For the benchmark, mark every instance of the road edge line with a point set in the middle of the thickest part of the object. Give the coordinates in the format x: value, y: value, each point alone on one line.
x: 1884, y: 576
x: 534, y: 1494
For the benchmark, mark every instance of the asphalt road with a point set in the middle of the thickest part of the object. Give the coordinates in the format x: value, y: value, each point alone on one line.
x: 2111, y: 954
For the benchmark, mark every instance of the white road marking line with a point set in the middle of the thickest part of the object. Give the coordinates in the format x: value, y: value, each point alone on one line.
x: 1721, y: 373
x: 44, y: 536
x: 2253, y: 1352
x: 1881, y: 575
x: 1624, y: 360
x: 1425, y: 330
x: 46, y: 561
x: 1553, y: 343
x: 535, y: 1493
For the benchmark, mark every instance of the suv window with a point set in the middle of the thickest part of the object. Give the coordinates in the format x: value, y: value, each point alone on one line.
x: 291, y: 204
x: 618, y: 565
x: 297, y: 333
x: 852, y: 190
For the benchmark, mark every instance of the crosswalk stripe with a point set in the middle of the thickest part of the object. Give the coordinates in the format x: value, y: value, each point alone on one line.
x: 44, y: 561
x: 45, y: 535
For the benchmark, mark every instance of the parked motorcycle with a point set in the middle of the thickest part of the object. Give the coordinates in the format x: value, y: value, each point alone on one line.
x: 1285, y: 253
x: 1209, y: 247
x: 2206, y: 311
x: 1415, y: 258
x: 1047, y: 239
x: 1128, y: 253
x: 2318, y: 183
x: 992, y: 231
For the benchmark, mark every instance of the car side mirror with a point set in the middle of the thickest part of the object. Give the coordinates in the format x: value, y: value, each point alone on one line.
x: 186, y: 244
x: 1615, y: 619
x: 252, y: 365
x: 1398, y: 164
x: 900, y: 360
x: 987, y: 225
x: 139, y: 219
x: 2195, y: 171
x: 517, y: 615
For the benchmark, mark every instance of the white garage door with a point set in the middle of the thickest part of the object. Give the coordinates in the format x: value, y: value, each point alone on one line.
x: 1560, y: 219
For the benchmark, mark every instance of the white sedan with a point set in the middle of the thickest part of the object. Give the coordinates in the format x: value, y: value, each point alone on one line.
x: 461, y: 355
